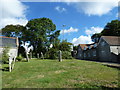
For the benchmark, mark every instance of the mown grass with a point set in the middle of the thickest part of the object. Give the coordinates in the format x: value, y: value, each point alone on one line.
x: 67, y: 74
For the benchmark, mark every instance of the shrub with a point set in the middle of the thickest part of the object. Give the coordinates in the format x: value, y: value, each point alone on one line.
x: 19, y: 58
x: 5, y: 55
x: 52, y: 54
x: 66, y: 55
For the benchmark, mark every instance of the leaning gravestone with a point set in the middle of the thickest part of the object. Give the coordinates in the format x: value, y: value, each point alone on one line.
x: 60, y: 56
x: 42, y: 55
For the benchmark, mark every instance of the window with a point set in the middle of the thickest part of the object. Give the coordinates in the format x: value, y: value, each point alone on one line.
x: 94, y: 53
x: 102, y: 43
x: 102, y: 51
x: 84, y: 54
x: 88, y: 54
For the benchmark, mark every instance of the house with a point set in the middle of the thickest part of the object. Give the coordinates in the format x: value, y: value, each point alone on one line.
x: 80, y: 51
x: 90, y: 52
x: 106, y: 50
x: 12, y: 44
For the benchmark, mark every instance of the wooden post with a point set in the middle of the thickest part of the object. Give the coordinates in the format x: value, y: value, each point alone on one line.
x: 60, y: 56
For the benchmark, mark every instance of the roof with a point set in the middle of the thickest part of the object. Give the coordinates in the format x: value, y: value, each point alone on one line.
x: 8, y: 41
x: 82, y: 45
x: 85, y: 45
x: 112, y: 40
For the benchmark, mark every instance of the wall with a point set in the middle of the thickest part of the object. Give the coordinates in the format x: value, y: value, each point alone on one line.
x: 104, y: 51
x: 79, y: 53
x: 12, y: 52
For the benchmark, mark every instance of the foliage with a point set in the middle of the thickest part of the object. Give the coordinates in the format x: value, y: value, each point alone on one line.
x: 52, y: 53
x: 41, y: 33
x: 5, y: 55
x: 75, y: 47
x: 66, y: 55
x: 65, y: 46
x: 66, y: 74
x: 111, y: 29
x: 96, y: 37
x: 19, y: 58
x: 13, y: 30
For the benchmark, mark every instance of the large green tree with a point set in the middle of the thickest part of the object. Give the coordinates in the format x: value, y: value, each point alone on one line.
x: 41, y: 32
x: 13, y: 30
x: 111, y: 29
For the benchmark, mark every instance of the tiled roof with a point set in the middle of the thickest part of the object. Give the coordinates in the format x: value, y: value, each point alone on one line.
x: 82, y: 45
x: 112, y: 40
x: 85, y: 45
x: 8, y: 41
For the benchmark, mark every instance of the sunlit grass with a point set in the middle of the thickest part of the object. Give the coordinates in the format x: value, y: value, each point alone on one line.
x: 53, y: 74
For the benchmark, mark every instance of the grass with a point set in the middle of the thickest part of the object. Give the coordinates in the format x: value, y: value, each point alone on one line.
x: 67, y: 74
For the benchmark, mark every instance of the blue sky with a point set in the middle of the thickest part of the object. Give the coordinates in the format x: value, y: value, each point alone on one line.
x: 69, y: 16
x: 82, y: 19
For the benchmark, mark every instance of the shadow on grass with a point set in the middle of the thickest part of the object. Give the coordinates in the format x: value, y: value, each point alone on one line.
x: 5, y: 69
x: 117, y: 67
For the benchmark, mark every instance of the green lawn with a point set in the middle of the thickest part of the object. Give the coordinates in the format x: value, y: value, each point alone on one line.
x: 67, y: 74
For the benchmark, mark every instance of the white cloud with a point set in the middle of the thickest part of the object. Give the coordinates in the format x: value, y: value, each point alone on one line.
x: 13, y: 12
x: 82, y: 40
x: 71, y: 29
x: 92, y: 7
x: 93, y: 30
x: 60, y: 9
x: 87, y: 38
x: 95, y: 8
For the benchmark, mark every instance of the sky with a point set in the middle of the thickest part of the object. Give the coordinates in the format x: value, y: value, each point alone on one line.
x: 76, y: 20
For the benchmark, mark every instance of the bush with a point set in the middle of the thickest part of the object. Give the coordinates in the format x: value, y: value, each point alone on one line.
x: 52, y: 54
x: 66, y: 55
x: 5, y: 55
x: 19, y: 58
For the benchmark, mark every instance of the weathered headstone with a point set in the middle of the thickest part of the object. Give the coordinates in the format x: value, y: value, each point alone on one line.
x: 60, y: 56
x: 38, y: 55
x: 42, y: 55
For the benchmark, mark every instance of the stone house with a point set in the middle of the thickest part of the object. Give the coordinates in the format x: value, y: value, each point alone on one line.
x: 80, y: 51
x: 105, y: 50
x: 90, y: 52
x: 108, y: 48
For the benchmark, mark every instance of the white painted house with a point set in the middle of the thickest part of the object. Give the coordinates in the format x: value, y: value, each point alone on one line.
x: 12, y: 44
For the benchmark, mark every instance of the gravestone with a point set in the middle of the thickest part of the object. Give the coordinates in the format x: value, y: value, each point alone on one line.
x: 42, y: 55
x: 38, y: 55
x: 60, y: 56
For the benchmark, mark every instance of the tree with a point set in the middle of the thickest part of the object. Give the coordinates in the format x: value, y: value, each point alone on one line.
x: 96, y: 37
x: 111, y: 29
x: 65, y: 46
x: 13, y: 30
x: 41, y: 32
